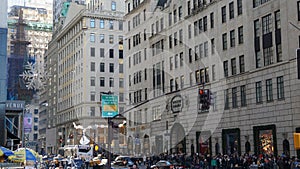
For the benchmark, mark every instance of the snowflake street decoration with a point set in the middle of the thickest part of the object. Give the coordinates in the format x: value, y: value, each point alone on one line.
x: 35, y: 77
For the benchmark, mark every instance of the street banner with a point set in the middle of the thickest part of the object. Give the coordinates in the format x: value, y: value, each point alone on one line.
x: 27, y: 123
x: 109, y: 104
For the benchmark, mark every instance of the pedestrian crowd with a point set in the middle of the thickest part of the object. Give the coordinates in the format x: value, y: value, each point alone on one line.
x: 228, y: 161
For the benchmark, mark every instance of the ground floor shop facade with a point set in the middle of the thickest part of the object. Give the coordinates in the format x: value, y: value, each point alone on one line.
x: 175, y: 123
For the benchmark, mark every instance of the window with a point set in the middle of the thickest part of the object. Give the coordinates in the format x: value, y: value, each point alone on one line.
x: 111, y: 67
x: 181, y: 59
x: 200, y: 26
x: 239, y: 7
x: 205, y: 49
x: 161, y: 24
x: 111, y: 82
x: 92, y: 66
x: 35, y: 137
x: 213, y: 47
x: 101, y: 38
x: 213, y: 72
x: 121, y: 83
x: 298, y: 10
x: 233, y: 66
x: 35, y: 128
x: 111, y: 24
x: 128, y: 24
x: 223, y: 9
x: 111, y: 39
x: 180, y: 36
x: 190, y: 55
x: 121, y: 68
x: 36, y: 119
x: 92, y: 81
x: 146, y: 94
x: 92, y: 109
x: 92, y: 37
x: 225, y: 65
x: 242, y: 64
x: 234, y: 97
x: 241, y: 35
x: 268, y: 56
x: 232, y: 38
x: 92, y: 96
x: 121, y: 54
x: 258, y: 59
x: 195, y: 28
x: 191, y: 79
x: 231, y: 10
x: 190, y: 31
x: 170, y: 41
x: 180, y: 12
x: 145, y: 74
x: 102, y: 24
x: 226, y: 95
x: 176, y: 61
x: 224, y: 39
x: 176, y: 83
x: 102, y: 81
x: 182, y: 82
x: 113, y: 6
x: 170, y: 18
x: 256, y: 28
x: 171, y: 85
x: 269, y: 90
x: 171, y: 63
x: 111, y: 53
x: 212, y: 20
x: 175, y: 15
x: 102, y: 67
x: 102, y: 52
x: 267, y: 24
x: 175, y: 39
x: 189, y: 7
x: 280, y: 87
x: 121, y: 97
x: 258, y: 88
x: 243, y: 96
x: 205, y: 23
x: 92, y: 52
x: 120, y: 25
x: 92, y: 23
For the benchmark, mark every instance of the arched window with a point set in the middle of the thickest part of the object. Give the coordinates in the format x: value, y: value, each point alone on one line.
x: 217, y: 147
x: 286, y: 147
x: 247, y: 147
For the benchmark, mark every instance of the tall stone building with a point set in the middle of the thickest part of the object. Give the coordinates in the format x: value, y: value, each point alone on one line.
x: 242, y: 51
x: 3, y: 63
x: 85, y: 58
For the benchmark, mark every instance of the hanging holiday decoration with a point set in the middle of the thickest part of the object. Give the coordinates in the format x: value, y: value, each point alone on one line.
x: 34, y: 76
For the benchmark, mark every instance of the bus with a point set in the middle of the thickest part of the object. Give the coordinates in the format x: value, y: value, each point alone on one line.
x: 79, y: 151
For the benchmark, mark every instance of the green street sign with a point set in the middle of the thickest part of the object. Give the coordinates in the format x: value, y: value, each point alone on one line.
x: 110, y: 106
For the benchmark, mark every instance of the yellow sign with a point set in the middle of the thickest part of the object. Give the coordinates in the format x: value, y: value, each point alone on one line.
x: 110, y: 108
x: 297, y: 141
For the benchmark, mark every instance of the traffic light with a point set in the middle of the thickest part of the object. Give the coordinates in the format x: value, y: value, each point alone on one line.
x: 298, y: 62
x: 204, y: 99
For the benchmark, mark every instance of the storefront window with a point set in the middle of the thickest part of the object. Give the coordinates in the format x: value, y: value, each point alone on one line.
x: 231, y: 141
x: 203, y: 142
x: 264, y: 140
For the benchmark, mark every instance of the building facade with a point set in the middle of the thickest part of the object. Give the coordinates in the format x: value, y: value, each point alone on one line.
x: 3, y: 62
x: 86, y: 58
x: 242, y: 51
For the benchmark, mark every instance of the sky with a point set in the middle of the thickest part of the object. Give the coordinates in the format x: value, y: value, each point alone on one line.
x: 21, y: 2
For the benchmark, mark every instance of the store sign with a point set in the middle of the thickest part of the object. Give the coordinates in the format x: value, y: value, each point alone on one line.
x: 176, y: 104
x: 109, y: 106
x: 14, y: 105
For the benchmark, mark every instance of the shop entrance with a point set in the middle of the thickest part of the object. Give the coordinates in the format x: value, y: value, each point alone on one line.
x: 178, y: 140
